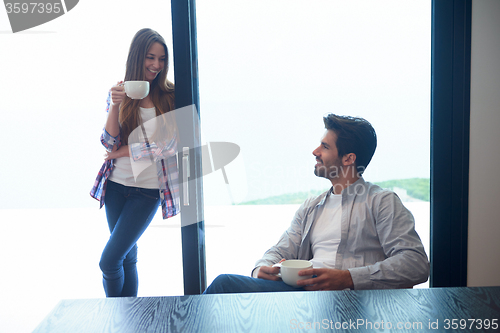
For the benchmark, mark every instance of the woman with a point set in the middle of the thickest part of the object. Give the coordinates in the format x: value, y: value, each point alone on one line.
x: 131, y: 197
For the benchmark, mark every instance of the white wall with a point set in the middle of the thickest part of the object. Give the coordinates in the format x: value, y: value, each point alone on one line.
x: 484, y: 188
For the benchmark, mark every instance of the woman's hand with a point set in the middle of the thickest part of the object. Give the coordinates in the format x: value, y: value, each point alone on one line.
x: 117, y: 93
x: 122, y: 152
x: 117, y: 96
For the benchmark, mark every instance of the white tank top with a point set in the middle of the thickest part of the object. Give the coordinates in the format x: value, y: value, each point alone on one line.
x: 122, y: 171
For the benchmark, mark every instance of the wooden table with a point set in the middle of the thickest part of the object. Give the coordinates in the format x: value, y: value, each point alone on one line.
x: 414, y: 310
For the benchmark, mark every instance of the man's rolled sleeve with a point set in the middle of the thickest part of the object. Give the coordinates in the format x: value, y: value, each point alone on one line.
x: 290, y: 242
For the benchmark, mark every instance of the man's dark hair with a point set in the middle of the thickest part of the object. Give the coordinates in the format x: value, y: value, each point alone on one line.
x: 354, y: 135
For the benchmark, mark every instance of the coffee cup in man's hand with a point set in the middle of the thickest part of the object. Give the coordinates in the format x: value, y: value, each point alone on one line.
x: 290, y: 269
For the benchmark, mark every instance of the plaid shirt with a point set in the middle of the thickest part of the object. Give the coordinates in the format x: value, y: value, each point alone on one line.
x: 164, y: 156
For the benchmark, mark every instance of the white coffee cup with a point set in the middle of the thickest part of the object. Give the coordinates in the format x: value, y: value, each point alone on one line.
x: 290, y: 269
x: 136, y: 89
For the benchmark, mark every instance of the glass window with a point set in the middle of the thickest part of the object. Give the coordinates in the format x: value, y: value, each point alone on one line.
x: 269, y: 71
x: 55, y: 79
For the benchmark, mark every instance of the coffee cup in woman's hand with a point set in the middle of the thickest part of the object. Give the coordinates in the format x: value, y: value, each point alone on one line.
x: 136, y: 89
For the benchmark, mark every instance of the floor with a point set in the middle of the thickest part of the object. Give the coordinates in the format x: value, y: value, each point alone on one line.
x: 51, y: 255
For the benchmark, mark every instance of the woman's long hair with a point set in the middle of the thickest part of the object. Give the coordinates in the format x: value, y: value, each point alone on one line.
x: 161, y: 90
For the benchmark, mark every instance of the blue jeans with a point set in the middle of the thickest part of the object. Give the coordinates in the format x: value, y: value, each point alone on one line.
x: 129, y: 210
x: 231, y: 283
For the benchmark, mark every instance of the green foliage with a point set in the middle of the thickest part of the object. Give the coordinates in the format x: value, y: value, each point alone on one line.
x: 418, y: 188
x: 285, y: 199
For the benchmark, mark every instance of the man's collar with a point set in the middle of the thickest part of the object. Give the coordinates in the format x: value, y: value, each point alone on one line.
x: 355, y: 188
x: 325, y: 195
x: 352, y: 188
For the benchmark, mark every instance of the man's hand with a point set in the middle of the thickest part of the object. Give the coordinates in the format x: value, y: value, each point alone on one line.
x: 269, y: 272
x: 326, y: 279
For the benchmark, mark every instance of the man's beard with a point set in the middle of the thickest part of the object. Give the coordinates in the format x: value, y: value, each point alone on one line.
x: 323, y: 171
x: 330, y: 172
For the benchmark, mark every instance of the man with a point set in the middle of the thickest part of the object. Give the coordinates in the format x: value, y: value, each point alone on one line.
x: 357, y: 235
